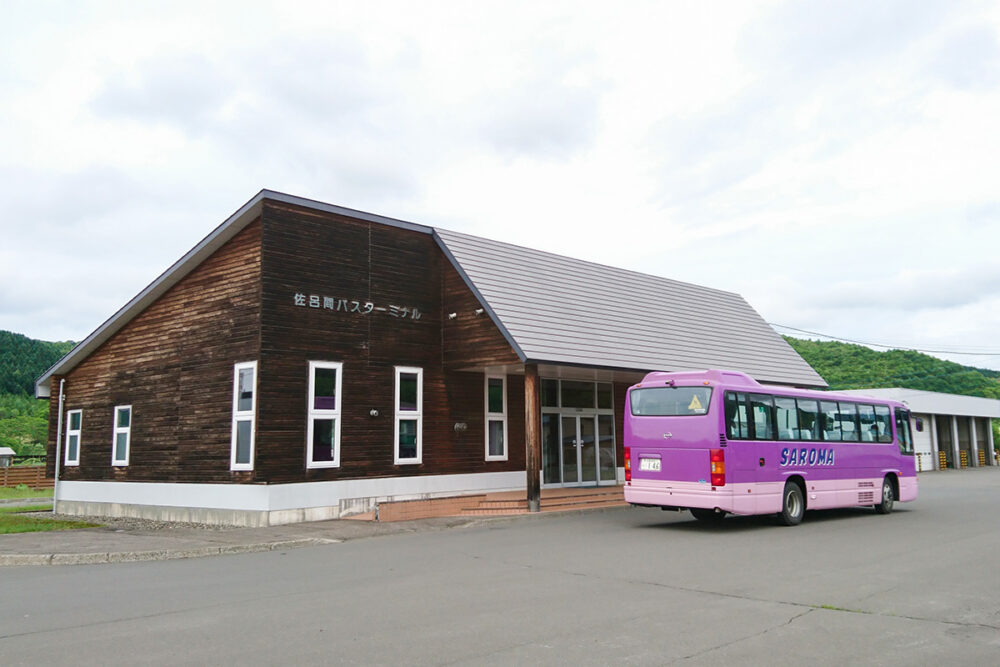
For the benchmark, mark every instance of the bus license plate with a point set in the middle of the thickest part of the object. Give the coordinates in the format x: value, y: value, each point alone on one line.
x: 649, y: 464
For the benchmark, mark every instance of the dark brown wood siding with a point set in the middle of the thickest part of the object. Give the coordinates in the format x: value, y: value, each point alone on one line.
x: 173, y: 364
x: 319, y: 255
x: 470, y: 340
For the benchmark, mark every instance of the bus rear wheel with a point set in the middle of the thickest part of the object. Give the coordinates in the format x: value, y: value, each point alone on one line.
x: 709, y: 516
x: 793, y: 505
x: 888, y: 498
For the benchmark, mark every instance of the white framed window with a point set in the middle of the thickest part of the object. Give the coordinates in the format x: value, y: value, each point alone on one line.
x: 74, y: 428
x: 244, y: 407
x: 121, y: 437
x: 495, y: 389
x: 323, y: 428
x: 408, y: 438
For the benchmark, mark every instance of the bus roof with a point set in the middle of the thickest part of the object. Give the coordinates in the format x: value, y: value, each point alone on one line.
x: 738, y: 380
x: 725, y: 377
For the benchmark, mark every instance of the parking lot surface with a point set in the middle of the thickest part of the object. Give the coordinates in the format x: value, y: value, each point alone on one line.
x: 620, y: 586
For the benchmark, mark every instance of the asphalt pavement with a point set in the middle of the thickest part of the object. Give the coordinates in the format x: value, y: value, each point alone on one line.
x: 115, y: 544
x: 614, y: 586
x: 110, y: 544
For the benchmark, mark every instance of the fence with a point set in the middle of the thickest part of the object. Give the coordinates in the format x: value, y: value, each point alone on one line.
x: 33, y: 476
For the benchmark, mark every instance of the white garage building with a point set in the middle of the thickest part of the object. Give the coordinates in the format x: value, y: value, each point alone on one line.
x: 956, y: 430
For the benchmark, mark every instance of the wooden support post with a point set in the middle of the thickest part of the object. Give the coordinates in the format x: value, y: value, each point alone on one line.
x: 532, y: 436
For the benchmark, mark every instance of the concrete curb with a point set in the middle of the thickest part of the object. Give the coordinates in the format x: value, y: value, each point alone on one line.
x: 161, y: 554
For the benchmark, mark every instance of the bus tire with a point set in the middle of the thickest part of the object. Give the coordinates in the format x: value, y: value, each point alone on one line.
x: 708, y: 516
x: 888, y: 497
x: 793, y: 505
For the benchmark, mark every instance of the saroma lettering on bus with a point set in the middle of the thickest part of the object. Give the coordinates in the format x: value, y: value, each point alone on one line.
x: 811, y: 457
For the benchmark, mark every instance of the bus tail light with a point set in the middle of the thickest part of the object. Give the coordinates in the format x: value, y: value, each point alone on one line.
x: 628, y: 464
x: 717, y: 457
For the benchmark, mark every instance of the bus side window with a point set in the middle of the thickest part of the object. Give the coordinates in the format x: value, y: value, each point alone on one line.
x: 762, y: 407
x: 788, y: 418
x: 737, y: 423
x: 808, y: 419
x: 903, y: 432
x: 884, y: 422
x: 732, y: 417
x: 830, y: 424
x: 849, y: 422
x: 869, y: 431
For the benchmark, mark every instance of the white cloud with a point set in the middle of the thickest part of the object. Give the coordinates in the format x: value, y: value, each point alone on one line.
x: 835, y: 162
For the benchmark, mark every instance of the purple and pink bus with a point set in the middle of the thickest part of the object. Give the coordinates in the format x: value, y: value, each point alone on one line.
x: 718, y: 442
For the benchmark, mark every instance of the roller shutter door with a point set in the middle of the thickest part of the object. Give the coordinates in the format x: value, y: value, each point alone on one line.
x: 922, y: 445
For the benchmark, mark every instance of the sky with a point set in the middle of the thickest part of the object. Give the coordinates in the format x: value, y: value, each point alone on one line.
x: 835, y: 163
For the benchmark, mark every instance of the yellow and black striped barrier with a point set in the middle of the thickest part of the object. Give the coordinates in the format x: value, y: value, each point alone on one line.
x: 943, y: 461
x: 982, y: 458
x: 963, y: 457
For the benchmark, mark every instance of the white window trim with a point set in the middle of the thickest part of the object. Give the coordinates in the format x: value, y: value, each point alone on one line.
x: 79, y: 437
x: 323, y: 414
x: 243, y: 415
x: 417, y: 414
x: 495, y: 416
x: 115, y: 430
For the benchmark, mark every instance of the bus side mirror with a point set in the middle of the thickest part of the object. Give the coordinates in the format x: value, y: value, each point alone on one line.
x: 919, y: 424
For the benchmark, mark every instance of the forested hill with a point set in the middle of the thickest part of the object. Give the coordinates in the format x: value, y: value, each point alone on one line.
x: 846, y: 366
x: 23, y: 360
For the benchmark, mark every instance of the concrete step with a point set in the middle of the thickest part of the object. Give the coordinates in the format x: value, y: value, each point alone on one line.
x: 502, y: 504
x: 580, y: 502
x: 583, y: 506
x: 479, y: 511
x: 552, y: 501
x: 499, y: 504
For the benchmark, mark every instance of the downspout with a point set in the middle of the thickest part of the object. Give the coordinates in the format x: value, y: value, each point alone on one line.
x: 59, y: 427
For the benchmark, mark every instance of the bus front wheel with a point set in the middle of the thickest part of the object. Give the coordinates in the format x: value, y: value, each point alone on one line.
x: 888, y: 497
x: 793, y: 505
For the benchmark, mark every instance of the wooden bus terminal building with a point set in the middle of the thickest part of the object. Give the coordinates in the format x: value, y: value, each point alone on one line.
x: 306, y: 361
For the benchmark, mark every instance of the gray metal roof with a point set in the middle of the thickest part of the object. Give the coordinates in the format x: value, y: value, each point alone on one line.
x: 934, y: 402
x: 557, y: 309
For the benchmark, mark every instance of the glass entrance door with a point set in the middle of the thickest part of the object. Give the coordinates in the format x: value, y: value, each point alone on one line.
x: 579, y: 450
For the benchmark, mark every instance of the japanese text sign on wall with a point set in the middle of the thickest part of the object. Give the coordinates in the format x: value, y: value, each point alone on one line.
x: 354, y: 306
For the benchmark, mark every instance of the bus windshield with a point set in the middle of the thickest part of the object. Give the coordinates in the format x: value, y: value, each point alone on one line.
x: 670, y: 401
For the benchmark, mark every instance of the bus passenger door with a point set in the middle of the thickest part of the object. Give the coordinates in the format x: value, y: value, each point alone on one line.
x: 742, y: 452
x: 766, y: 453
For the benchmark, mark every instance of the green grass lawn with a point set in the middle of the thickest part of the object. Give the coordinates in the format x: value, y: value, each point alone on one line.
x: 12, y: 522
x: 22, y: 491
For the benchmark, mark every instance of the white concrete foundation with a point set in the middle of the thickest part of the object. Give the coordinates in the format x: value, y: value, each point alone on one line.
x: 255, y: 505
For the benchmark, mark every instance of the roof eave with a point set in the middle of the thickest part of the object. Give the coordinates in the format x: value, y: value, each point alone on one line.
x: 486, y: 306
x: 235, y: 223
x: 216, y: 239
